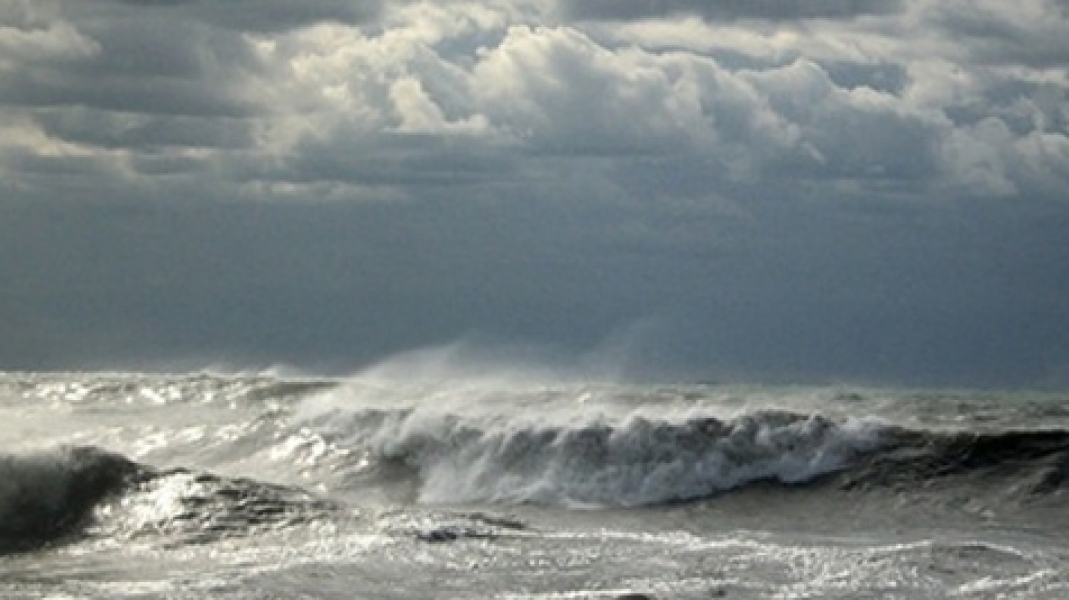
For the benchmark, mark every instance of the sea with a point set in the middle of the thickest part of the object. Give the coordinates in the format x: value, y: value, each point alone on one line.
x: 498, y: 486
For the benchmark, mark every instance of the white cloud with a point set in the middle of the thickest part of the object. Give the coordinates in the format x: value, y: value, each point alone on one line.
x: 974, y: 155
x: 881, y: 98
x: 560, y: 92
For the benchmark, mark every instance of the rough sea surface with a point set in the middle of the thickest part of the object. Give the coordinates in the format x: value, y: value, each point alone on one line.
x: 379, y: 487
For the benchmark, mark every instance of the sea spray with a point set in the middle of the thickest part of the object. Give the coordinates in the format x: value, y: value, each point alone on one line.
x: 624, y: 461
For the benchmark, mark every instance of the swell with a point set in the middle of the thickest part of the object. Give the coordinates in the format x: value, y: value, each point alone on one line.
x: 78, y: 493
x: 73, y: 492
x: 181, y: 506
x: 1032, y: 464
x: 47, y: 496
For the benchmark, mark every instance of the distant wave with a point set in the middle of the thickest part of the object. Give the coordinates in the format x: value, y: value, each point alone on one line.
x: 138, y: 389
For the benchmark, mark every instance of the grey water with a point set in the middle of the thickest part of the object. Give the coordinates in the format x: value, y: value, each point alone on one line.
x: 242, y: 486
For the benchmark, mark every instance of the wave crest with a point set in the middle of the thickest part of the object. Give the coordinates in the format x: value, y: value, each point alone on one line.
x: 637, y: 461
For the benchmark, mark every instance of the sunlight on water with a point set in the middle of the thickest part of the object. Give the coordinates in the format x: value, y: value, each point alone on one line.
x: 251, y: 486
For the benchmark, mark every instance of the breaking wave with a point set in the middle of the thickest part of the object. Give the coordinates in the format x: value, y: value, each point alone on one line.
x: 641, y: 460
x: 638, y: 461
x: 577, y: 446
x: 72, y: 492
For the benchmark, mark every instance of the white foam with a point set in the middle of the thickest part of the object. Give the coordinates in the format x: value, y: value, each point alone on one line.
x: 562, y: 453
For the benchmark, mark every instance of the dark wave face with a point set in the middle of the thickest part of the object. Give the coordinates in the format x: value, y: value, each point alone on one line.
x: 46, y: 496
x: 1034, y: 463
x: 71, y: 492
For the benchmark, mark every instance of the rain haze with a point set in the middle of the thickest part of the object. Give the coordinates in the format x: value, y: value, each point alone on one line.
x: 770, y: 191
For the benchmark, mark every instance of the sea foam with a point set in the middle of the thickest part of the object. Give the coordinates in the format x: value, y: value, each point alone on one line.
x: 635, y: 460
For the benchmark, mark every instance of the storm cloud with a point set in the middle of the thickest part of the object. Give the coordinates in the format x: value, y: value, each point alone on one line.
x: 778, y: 10
x: 762, y: 190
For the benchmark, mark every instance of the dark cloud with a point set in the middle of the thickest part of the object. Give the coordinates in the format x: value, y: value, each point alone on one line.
x: 263, y: 16
x: 944, y: 295
x: 400, y: 160
x: 143, y: 66
x: 888, y: 77
x: 997, y: 34
x: 109, y: 129
x: 121, y: 94
x: 329, y: 182
x: 718, y: 10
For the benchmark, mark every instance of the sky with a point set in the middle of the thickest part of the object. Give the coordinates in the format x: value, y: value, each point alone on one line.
x: 857, y: 191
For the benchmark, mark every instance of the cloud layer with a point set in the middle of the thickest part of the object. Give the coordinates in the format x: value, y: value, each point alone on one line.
x: 753, y: 171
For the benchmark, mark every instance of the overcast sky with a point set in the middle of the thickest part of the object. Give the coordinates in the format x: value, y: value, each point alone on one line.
x: 868, y: 191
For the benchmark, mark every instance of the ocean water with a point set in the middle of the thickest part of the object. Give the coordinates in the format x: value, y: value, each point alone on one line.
x: 269, y: 486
